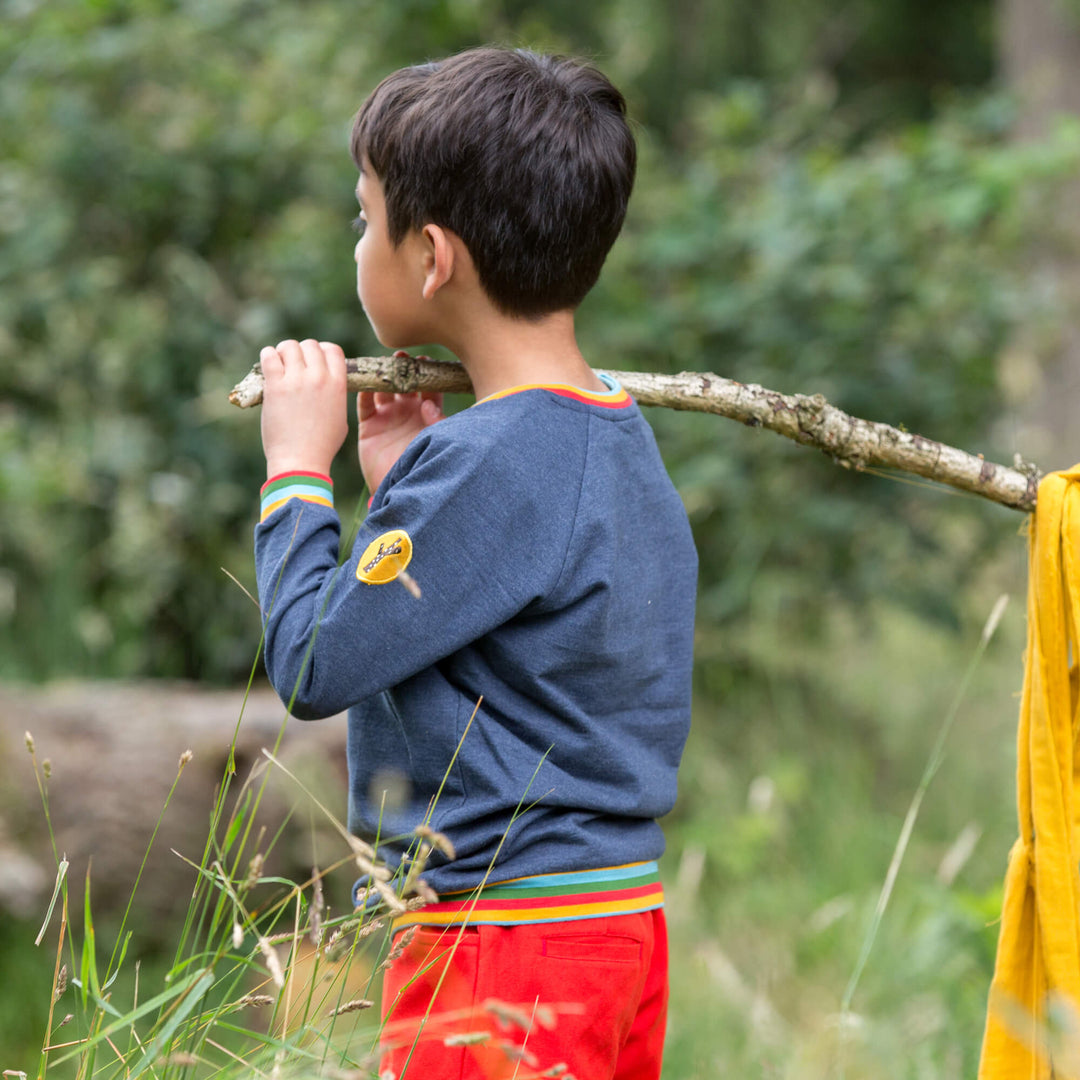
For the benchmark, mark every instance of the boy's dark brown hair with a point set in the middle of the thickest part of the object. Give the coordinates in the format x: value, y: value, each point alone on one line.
x: 528, y: 158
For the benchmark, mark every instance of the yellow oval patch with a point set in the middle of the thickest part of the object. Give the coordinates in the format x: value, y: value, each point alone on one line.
x: 385, y: 557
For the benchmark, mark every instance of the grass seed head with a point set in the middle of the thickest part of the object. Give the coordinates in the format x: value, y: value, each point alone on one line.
x: 401, y: 945
x: 254, y: 872
x: 509, y: 1015
x: 358, y: 846
x: 273, y: 964
x: 438, y: 840
x: 317, y: 909
x: 46, y: 768
x: 30, y: 747
x: 185, y: 757
x: 356, y: 1005
x: 545, y: 1017
x: 467, y: 1038
x: 61, y: 983
x: 181, y: 1060
x: 254, y: 1001
x: 519, y: 1053
x: 286, y: 937
x: 424, y: 893
x: 389, y: 897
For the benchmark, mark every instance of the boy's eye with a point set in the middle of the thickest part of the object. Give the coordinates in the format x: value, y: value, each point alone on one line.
x: 359, y: 223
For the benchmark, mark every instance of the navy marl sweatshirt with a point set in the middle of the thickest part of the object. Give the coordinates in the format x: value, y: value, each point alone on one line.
x: 558, y: 577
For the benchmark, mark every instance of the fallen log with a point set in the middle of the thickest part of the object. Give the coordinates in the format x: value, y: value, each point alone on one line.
x: 809, y: 419
x: 114, y: 751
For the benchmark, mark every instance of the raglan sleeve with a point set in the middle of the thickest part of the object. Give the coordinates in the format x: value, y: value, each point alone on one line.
x: 482, y: 544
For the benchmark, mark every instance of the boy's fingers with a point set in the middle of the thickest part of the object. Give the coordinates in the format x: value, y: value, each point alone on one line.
x: 431, y: 408
x: 270, y: 361
x: 335, y: 361
x: 365, y: 405
x: 313, y: 355
x: 290, y: 353
x: 383, y: 399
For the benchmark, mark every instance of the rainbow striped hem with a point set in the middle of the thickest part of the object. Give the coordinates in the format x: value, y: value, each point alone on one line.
x: 615, y: 398
x: 588, y: 894
x: 310, y: 487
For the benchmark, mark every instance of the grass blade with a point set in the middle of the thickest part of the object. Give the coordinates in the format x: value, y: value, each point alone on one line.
x: 89, y: 979
x: 203, y: 982
x: 936, y: 756
x: 61, y: 874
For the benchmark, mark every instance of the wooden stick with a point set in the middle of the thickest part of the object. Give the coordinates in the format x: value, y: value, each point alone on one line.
x: 808, y: 419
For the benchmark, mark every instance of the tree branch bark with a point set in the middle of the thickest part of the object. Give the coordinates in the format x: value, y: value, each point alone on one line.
x: 808, y: 419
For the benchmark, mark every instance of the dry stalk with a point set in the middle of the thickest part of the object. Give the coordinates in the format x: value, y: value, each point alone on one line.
x: 808, y: 419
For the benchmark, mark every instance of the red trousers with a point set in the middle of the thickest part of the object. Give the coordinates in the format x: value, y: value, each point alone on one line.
x: 479, y: 1002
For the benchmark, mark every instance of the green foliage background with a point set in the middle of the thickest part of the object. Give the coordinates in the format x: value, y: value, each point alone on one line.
x: 175, y: 193
x: 828, y: 201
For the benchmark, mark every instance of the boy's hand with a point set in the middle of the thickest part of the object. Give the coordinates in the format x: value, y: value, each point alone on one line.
x: 304, y: 420
x: 388, y: 423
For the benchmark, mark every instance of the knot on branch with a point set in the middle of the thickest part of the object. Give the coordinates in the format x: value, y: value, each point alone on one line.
x: 812, y: 403
x: 1028, y: 468
x: 405, y: 373
x: 812, y: 420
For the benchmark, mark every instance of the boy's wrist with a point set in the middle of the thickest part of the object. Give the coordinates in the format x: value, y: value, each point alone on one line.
x: 276, y: 467
x: 303, y: 484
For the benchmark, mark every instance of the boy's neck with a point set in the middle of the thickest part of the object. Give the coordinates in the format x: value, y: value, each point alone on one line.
x: 500, y: 352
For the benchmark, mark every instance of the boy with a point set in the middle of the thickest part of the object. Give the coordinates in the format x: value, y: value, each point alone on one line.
x: 555, y: 563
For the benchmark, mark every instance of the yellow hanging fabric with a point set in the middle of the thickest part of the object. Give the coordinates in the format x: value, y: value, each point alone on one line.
x: 1035, y: 993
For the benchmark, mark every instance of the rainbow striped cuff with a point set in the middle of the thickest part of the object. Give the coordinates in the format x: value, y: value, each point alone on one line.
x: 311, y: 487
x: 588, y: 894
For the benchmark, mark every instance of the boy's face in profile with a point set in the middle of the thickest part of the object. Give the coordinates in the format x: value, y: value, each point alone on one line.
x: 389, y: 279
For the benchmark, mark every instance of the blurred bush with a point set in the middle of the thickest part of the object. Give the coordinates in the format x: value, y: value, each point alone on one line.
x: 886, y: 273
x: 175, y: 192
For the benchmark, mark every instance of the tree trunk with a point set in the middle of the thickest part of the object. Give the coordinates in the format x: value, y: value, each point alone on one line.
x: 1039, y: 49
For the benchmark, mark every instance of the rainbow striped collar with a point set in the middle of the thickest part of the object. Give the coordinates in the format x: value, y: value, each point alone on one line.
x: 615, y: 397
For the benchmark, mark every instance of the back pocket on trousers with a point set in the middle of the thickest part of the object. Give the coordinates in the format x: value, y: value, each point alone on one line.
x: 609, y: 949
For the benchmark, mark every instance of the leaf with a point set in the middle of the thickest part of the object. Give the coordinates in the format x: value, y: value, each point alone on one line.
x: 88, y: 981
x: 61, y: 874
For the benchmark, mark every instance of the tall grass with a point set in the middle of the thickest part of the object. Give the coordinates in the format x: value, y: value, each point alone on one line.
x: 777, y: 876
x: 833, y: 911
x: 261, y: 982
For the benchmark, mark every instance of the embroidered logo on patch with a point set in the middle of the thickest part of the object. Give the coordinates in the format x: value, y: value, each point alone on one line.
x: 385, y: 558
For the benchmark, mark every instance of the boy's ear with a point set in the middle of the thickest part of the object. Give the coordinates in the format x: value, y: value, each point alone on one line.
x: 439, y: 256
